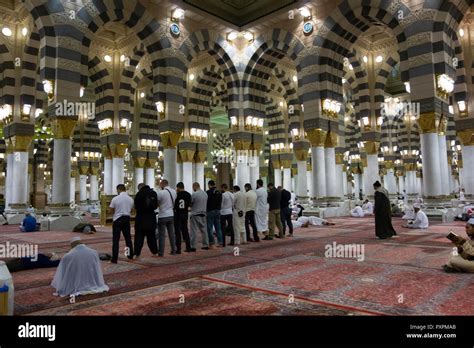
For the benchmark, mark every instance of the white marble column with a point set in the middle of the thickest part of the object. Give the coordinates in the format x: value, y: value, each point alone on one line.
x: 9, y: 181
x: 401, y: 184
x: 468, y: 169
x: 444, y: 167
x: 179, y: 172
x: 170, y: 160
x: 72, y: 190
x: 431, y: 164
x: 108, y: 190
x: 20, y: 178
x: 302, y: 185
x: 319, y: 172
x: 61, y: 172
x: 330, y: 165
x: 188, y: 175
x: 277, y: 176
x: 357, y: 185
x: 410, y: 182
x: 345, y: 184
x: 150, y: 177
x: 419, y: 186
x: 118, y: 172
x: 242, y: 171
x: 309, y: 181
x: 339, y: 179
x: 94, y: 188
x: 138, y: 177
x: 82, y: 188
x: 199, y: 175
x: 254, y: 170
x: 371, y: 174
x: 287, y: 179
x: 390, y: 182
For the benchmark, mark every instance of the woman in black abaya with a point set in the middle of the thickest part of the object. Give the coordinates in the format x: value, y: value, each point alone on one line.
x: 382, y: 212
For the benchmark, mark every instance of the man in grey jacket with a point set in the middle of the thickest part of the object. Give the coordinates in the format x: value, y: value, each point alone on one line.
x: 198, y: 217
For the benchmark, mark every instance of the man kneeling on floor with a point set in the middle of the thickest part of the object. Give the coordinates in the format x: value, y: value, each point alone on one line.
x: 464, y: 261
x: 420, y: 221
x: 79, y: 272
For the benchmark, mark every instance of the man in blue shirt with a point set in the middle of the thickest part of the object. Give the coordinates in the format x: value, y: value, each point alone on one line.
x: 29, y: 223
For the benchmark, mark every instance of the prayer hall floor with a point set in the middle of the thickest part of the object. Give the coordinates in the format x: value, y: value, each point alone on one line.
x: 399, y: 276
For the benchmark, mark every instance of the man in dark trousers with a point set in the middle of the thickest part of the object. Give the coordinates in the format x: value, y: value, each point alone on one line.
x: 146, y: 203
x: 285, y: 211
x: 181, y: 209
x: 274, y: 218
x: 214, y: 203
x: 121, y: 206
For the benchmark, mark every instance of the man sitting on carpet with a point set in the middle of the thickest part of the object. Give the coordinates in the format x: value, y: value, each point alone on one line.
x: 79, y: 272
x: 29, y: 223
x: 420, y: 221
x: 305, y: 221
x: 464, y: 261
x: 357, y: 211
x: 368, y: 207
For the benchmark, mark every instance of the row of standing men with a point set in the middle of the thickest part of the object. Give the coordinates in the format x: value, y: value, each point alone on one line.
x: 213, y: 214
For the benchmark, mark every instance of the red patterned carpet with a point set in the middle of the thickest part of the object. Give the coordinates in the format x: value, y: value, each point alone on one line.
x: 293, y: 276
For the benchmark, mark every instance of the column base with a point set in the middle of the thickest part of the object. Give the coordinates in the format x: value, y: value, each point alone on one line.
x: 327, y: 202
x: 39, y: 200
x: 304, y: 199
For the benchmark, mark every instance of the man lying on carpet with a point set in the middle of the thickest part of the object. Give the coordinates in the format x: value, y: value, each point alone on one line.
x: 464, y: 261
x: 79, y: 272
x: 305, y: 221
x: 25, y: 263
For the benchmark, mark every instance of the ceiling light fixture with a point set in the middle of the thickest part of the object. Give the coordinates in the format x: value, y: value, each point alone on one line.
x: 7, y: 31
x: 107, y: 58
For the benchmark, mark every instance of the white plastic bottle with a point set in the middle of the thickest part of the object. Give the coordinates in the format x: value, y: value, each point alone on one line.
x: 6, y: 278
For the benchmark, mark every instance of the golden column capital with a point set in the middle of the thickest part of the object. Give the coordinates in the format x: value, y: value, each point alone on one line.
x: 63, y: 128
x: 389, y: 165
x: 286, y: 163
x: 187, y: 155
x: 83, y: 170
x: 294, y: 171
x: 409, y: 166
x: 94, y: 170
x: 339, y: 158
x: 264, y: 172
x: 150, y: 162
x: 460, y: 164
x: 276, y: 164
x: 466, y: 136
x: 199, y: 156
x: 427, y: 122
x: 118, y: 150
x: 331, y: 140
x: 106, y: 152
x: 301, y: 154
x: 371, y: 147
x: 21, y: 143
x: 309, y: 167
x: 317, y: 137
x: 364, y: 162
x: 170, y: 139
x: 139, y: 162
x: 73, y: 172
x: 257, y: 146
x: 8, y: 146
x: 242, y: 145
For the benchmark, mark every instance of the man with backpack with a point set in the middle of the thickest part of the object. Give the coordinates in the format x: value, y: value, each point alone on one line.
x: 146, y: 202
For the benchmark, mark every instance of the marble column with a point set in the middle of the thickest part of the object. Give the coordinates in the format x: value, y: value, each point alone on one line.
x: 410, y: 183
x: 118, y: 171
x: 371, y: 174
x: 108, y: 176
x: 331, y: 178
x: 345, y: 189
x: 357, y: 185
x: 179, y: 171
x: 242, y: 171
x: 401, y: 184
x: 468, y: 168
x: 83, y: 188
x: 309, y: 180
x: 390, y: 181
x: 302, y: 185
x: 188, y: 177
x: 443, y: 161
x: 287, y: 179
x: 72, y: 190
x: 278, y: 177
x: 20, y: 178
x: 150, y: 172
x: 319, y: 172
x: 61, y: 186
x: 138, y: 177
x: 198, y: 167
x: 431, y: 164
x: 170, y: 158
x: 254, y: 170
x: 94, y: 188
x: 199, y: 175
x: 9, y: 180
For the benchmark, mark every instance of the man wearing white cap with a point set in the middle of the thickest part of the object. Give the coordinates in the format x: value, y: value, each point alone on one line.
x: 420, y: 221
x: 463, y: 259
x: 79, y: 272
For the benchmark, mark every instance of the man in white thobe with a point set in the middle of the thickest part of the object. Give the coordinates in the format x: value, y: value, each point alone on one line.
x: 357, y: 211
x: 238, y: 218
x: 261, y: 210
x: 79, y: 272
x: 420, y: 221
x: 368, y: 207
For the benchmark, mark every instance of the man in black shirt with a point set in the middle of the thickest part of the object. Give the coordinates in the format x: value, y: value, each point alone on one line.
x: 285, y: 210
x: 274, y: 201
x: 214, y: 202
x: 145, y: 221
x: 181, y: 209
